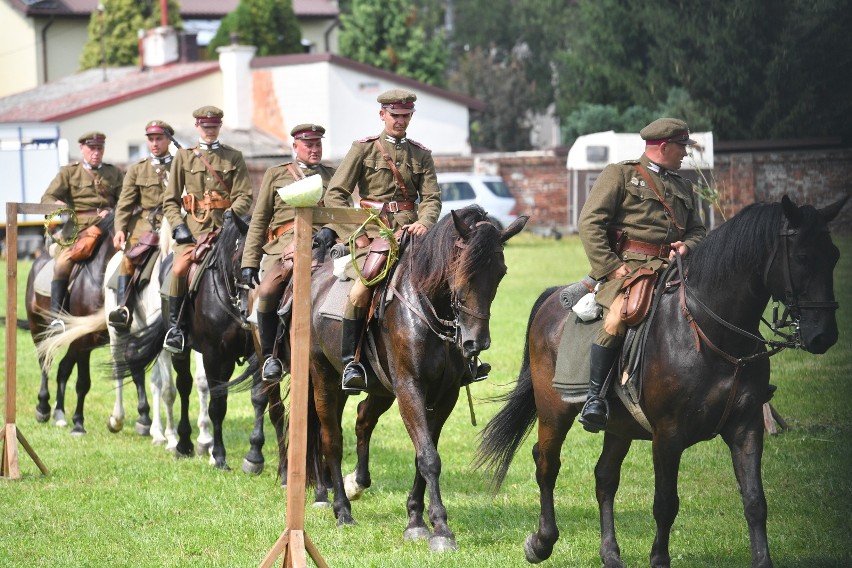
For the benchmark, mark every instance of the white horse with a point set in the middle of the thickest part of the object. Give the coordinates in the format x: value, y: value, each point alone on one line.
x: 148, y: 309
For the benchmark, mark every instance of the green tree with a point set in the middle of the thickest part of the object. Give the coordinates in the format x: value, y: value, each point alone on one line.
x: 269, y: 25
x: 390, y: 34
x: 113, y: 34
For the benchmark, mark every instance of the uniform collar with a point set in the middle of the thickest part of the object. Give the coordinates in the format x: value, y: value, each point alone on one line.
x: 657, y: 169
x: 395, y: 140
x: 167, y: 159
x: 212, y: 146
x: 89, y: 166
x: 305, y: 166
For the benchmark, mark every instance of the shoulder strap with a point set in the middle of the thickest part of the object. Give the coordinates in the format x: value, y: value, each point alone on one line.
x: 297, y: 173
x: 397, y: 177
x: 207, y: 165
x: 647, y: 177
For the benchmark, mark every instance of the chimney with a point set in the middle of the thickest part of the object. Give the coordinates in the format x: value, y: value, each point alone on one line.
x: 159, y: 47
x: 237, y: 99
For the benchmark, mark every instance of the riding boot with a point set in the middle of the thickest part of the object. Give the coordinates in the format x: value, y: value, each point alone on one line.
x: 121, y: 317
x: 482, y: 371
x: 58, y: 294
x: 593, y: 417
x: 175, y: 341
x: 354, y: 375
x: 267, y: 327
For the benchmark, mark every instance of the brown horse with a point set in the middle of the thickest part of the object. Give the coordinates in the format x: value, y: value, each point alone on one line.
x: 698, y: 381
x: 85, y: 301
x: 431, y: 331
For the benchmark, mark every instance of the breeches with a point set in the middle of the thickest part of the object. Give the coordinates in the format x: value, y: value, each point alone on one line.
x: 612, y: 333
x: 275, y: 279
x: 63, y: 265
x: 180, y: 269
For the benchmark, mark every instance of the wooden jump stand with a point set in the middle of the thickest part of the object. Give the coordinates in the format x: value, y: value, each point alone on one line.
x: 10, y: 435
x: 294, y: 542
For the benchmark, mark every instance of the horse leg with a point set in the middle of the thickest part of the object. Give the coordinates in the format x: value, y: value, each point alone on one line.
x: 205, y: 435
x: 746, y: 452
x: 156, y: 430
x: 369, y: 411
x: 115, y: 421
x: 143, y: 423
x: 667, y: 452
x: 184, y: 448
x: 216, y: 376
x: 253, y: 462
x: 42, y: 409
x: 163, y: 389
x: 84, y: 384
x: 63, y: 373
x: 607, y: 478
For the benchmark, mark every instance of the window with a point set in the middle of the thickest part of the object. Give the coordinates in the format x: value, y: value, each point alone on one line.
x: 498, y: 188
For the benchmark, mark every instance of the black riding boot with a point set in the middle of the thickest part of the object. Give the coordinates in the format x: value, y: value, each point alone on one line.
x: 267, y: 326
x: 175, y: 341
x: 593, y: 417
x: 354, y: 376
x: 121, y: 317
x: 58, y: 294
x: 482, y: 371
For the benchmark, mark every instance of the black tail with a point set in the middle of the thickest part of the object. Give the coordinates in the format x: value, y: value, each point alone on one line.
x: 502, y: 436
x: 139, y: 350
x: 314, y: 462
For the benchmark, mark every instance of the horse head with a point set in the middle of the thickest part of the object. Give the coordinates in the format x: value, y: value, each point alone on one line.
x: 801, y: 274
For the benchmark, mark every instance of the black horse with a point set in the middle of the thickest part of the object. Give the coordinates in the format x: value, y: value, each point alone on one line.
x: 84, y: 304
x: 216, y: 320
x: 431, y: 331
x: 699, y: 381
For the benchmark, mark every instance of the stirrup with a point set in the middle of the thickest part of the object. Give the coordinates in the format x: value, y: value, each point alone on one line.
x: 352, y: 366
x: 175, y: 334
x: 268, y: 375
x: 590, y: 425
x: 119, y: 318
x: 56, y: 326
x: 479, y: 374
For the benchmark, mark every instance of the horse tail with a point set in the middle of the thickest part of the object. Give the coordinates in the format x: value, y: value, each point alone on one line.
x: 138, y: 350
x: 503, y: 435
x: 76, y: 327
x: 239, y: 384
x: 314, y: 462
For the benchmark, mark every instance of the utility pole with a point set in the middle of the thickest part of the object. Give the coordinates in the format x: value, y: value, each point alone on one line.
x: 103, y: 39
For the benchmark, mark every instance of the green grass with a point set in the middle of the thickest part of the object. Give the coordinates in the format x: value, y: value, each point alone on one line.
x: 114, y: 499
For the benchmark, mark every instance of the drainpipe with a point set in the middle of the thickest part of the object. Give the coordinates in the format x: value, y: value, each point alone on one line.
x: 44, y: 48
x: 164, y: 13
x: 327, y: 34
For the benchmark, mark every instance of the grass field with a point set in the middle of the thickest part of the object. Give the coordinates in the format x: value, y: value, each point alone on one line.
x: 116, y: 500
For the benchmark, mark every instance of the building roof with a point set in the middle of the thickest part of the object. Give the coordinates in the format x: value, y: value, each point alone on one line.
x: 87, y: 91
x: 189, y: 9
x: 417, y: 86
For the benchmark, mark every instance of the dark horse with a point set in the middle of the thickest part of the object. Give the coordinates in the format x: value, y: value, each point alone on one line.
x: 216, y: 319
x: 431, y: 331
x: 689, y: 394
x: 85, y: 300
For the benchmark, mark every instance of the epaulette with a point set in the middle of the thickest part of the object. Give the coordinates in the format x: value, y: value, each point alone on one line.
x: 419, y: 145
x: 368, y: 139
x: 628, y: 163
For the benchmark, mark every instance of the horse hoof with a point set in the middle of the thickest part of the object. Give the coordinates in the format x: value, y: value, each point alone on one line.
x: 115, y: 425
x: 345, y: 521
x: 320, y: 504
x: 179, y: 454
x: 442, y: 544
x: 416, y: 533
x: 59, y: 419
x: 252, y: 468
x: 203, y: 449
x: 41, y: 416
x: 78, y: 430
x: 529, y: 551
x: 353, y: 489
x: 143, y: 429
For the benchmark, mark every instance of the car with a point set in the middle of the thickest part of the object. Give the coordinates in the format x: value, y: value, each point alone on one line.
x: 460, y: 189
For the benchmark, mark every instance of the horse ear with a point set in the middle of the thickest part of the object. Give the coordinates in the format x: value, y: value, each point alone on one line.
x: 791, y: 211
x: 464, y: 230
x: 829, y: 212
x: 242, y: 226
x: 515, y: 228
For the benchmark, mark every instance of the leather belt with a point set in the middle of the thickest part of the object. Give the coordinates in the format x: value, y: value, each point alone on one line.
x: 389, y: 206
x: 273, y: 234
x: 661, y: 250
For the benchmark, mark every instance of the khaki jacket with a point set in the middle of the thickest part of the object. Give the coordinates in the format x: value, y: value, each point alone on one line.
x: 270, y: 212
x: 75, y: 186
x: 365, y: 168
x: 188, y: 173
x: 141, y: 194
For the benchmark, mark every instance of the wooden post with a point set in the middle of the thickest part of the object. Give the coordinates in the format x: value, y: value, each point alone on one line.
x: 10, y: 435
x: 293, y: 542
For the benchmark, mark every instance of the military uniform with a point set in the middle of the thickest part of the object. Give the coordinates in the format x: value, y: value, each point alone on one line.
x: 271, y: 232
x: 203, y: 193
x: 624, y: 205
x: 90, y: 192
x: 138, y: 211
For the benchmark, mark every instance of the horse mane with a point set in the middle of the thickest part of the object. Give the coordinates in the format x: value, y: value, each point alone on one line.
x: 228, y: 236
x: 433, y: 258
x: 740, y: 245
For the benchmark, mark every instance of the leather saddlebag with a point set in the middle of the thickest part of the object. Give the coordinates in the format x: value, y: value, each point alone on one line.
x: 85, y: 244
x: 376, y: 258
x: 140, y: 251
x: 638, y: 291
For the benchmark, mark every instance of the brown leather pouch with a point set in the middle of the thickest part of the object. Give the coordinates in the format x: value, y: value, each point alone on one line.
x: 638, y: 293
x: 203, y: 244
x: 140, y: 251
x: 616, y: 238
x: 376, y: 259
x: 85, y: 244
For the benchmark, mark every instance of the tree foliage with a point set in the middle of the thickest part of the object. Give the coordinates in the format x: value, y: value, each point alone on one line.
x: 269, y: 25
x: 113, y: 35
x: 390, y: 34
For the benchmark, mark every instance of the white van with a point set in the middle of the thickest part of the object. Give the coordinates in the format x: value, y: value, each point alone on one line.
x: 460, y: 189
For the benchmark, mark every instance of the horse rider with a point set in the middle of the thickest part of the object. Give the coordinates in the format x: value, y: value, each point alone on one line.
x: 91, y: 188
x: 269, y: 242
x: 139, y: 210
x: 637, y: 215
x: 392, y: 172
x: 204, y: 181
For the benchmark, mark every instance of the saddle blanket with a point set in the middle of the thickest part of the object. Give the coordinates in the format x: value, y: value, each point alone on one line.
x: 571, y: 378
x: 335, y: 301
x: 41, y: 285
